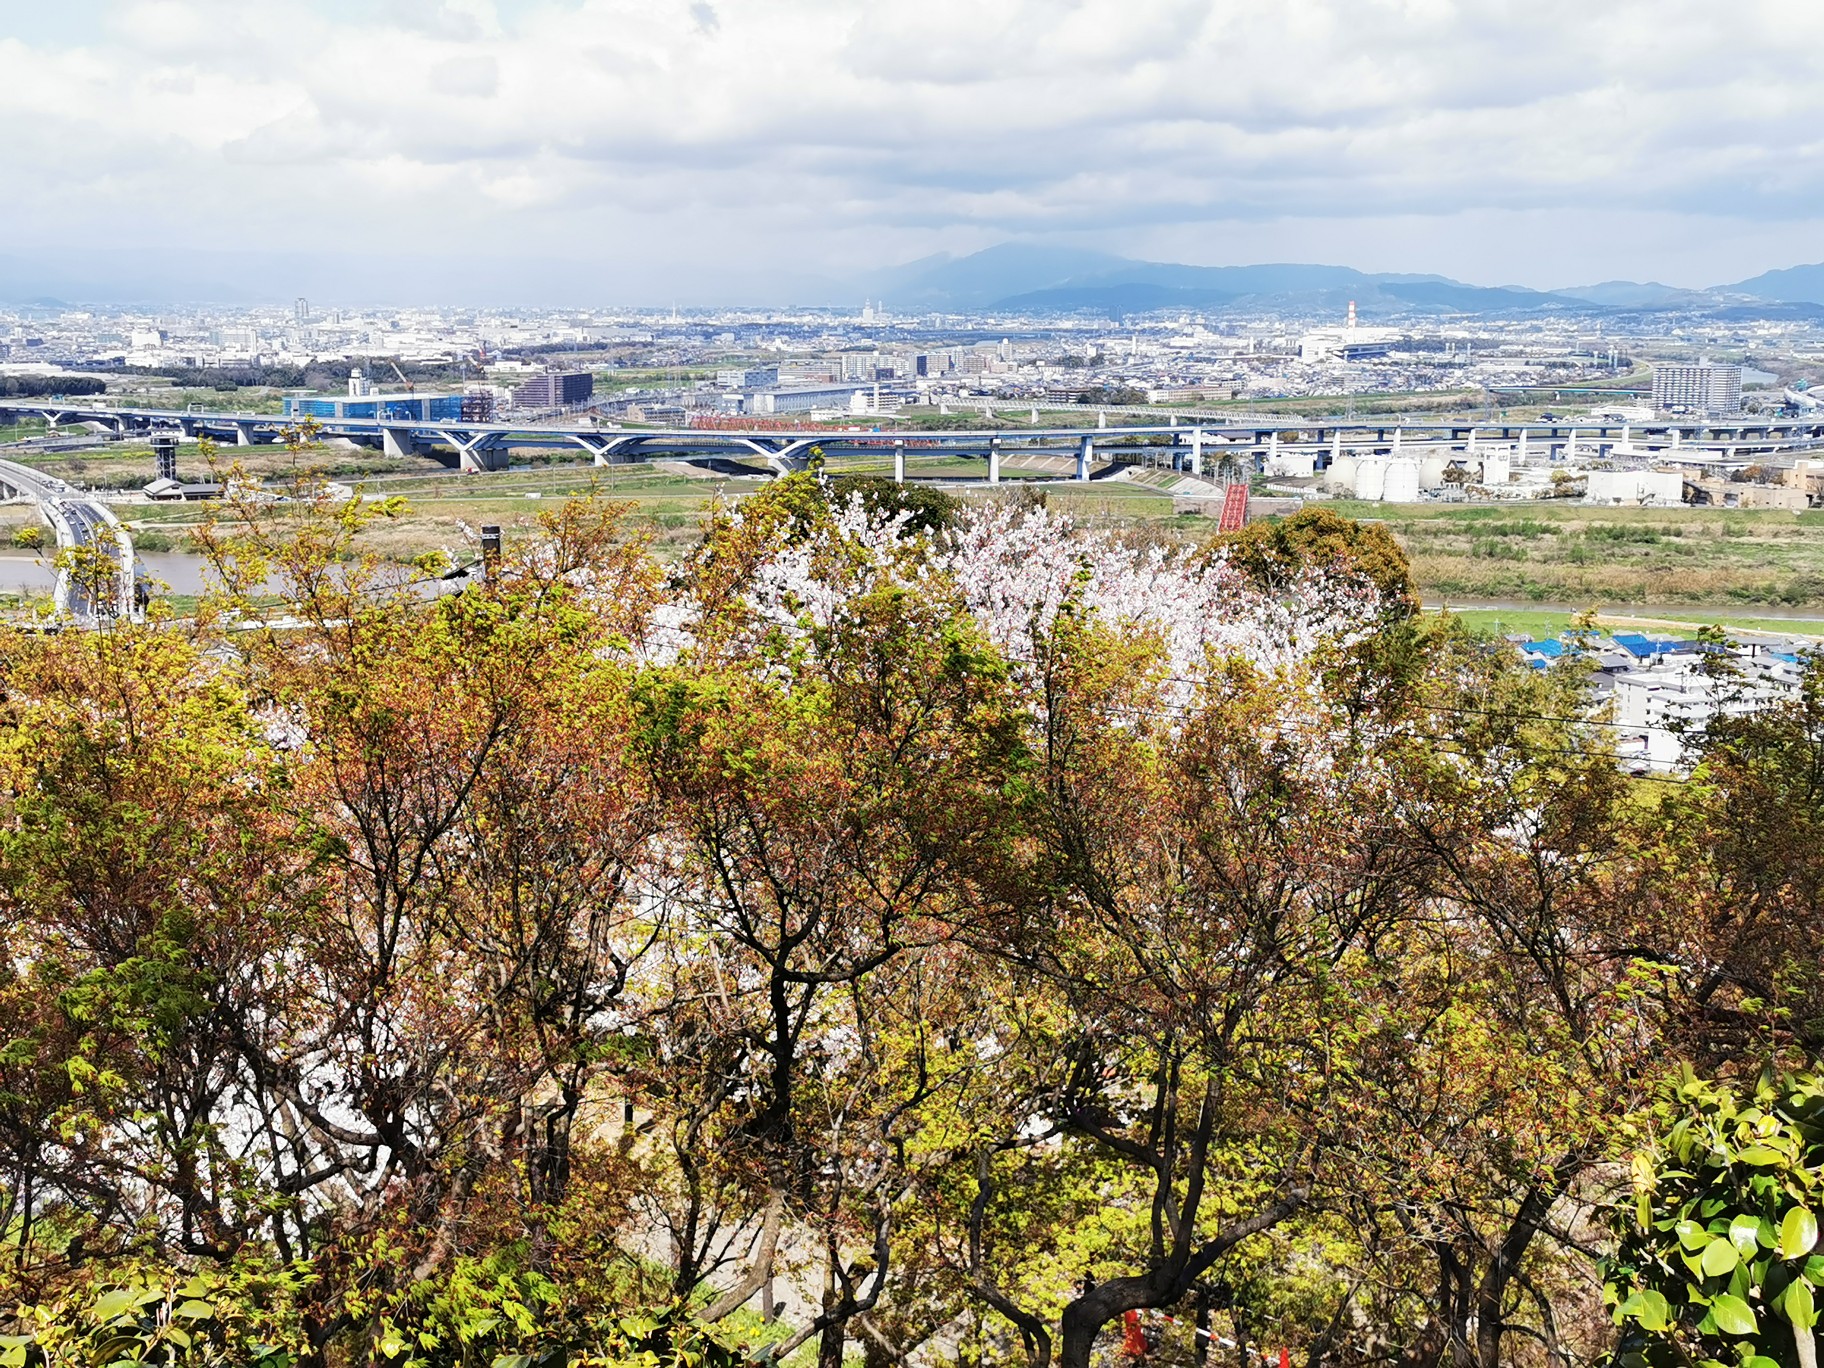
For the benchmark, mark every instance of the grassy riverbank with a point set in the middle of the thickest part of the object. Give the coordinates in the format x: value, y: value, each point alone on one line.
x: 1567, y: 552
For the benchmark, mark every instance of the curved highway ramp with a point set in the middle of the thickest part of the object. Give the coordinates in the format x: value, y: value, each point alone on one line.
x: 96, y: 583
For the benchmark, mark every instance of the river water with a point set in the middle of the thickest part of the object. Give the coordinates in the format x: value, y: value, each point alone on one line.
x: 24, y: 573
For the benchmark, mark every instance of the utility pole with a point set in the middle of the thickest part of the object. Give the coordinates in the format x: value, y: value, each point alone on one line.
x: 490, y: 552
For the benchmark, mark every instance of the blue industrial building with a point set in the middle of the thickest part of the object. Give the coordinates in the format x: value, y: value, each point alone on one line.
x: 401, y: 408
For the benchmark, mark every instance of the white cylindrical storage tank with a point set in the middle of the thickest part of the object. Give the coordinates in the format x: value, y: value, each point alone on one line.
x: 1431, y: 472
x: 1342, y: 475
x: 1371, y: 478
x: 1402, y: 482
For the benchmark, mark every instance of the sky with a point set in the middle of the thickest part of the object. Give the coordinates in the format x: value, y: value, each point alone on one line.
x: 651, y: 151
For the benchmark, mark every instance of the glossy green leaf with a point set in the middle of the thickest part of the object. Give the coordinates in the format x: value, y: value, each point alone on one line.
x: 1733, y: 1316
x: 1692, y: 1235
x: 1761, y: 1156
x: 1798, y: 1233
x: 1745, y: 1235
x: 1799, y: 1306
x: 1719, y: 1258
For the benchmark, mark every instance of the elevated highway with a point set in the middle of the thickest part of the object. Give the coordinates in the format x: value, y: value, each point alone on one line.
x: 1184, y: 442
x: 98, y: 580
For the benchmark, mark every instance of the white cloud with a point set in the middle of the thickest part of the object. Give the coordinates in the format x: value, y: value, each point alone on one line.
x: 825, y: 135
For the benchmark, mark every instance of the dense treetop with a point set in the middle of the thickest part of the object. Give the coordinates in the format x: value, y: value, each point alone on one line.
x: 911, y: 930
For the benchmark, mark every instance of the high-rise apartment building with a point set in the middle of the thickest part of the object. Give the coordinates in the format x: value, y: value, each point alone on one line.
x: 555, y: 390
x: 1697, y: 388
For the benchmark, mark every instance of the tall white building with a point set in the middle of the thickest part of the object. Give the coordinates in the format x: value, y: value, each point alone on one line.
x: 1697, y: 388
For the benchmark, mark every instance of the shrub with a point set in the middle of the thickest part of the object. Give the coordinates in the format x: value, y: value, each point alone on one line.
x: 1716, y: 1261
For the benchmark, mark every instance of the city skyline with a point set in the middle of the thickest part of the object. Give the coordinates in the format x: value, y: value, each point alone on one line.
x: 705, y: 151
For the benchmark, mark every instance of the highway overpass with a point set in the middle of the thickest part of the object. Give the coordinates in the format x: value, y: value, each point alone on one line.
x: 1189, y: 444
x: 97, y: 581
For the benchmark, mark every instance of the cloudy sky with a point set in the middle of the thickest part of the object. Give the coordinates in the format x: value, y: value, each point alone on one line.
x: 649, y: 150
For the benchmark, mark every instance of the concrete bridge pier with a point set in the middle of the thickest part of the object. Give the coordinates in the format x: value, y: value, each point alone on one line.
x: 602, y: 449
x: 478, y: 453
x: 994, y: 460
x: 899, y: 460
x: 398, y: 442
x: 1086, y: 452
x: 243, y: 434
x: 1197, y: 451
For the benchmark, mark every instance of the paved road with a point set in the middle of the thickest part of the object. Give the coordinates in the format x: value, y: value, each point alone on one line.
x: 79, y: 523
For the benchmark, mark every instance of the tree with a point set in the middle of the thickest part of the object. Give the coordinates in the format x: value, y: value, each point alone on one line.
x: 835, y: 752
x: 1201, y: 884
x: 1276, y: 551
x: 1716, y: 1258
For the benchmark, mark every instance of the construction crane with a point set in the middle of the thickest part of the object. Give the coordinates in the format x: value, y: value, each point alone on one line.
x: 410, y: 388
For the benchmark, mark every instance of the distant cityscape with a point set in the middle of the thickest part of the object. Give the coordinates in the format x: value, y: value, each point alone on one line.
x: 1045, y: 347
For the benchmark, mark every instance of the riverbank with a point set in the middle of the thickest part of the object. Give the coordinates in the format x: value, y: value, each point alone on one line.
x: 1549, y: 619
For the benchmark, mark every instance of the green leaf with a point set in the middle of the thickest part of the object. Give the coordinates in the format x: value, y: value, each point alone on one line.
x: 1798, y: 1305
x: 116, y: 1303
x: 1761, y: 1156
x: 1692, y: 1235
x: 1733, y: 1316
x: 1745, y: 1235
x: 1719, y: 1258
x: 117, y: 1347
x: 1798, y: 1233
x: 1654, y: 1314
x: 194, y: 1310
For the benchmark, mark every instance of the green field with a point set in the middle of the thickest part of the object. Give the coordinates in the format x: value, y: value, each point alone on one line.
x: 1679, y: 564
x: 1537, y: 623
x: 1556, y: 552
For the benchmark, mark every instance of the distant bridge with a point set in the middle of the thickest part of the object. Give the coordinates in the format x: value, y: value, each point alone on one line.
x: 1189, y: 445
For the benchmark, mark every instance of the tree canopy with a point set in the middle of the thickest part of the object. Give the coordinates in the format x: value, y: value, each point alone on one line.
x: 908, y: 930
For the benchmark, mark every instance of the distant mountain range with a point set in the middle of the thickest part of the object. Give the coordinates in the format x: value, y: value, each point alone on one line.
x: 1017, y: 277
x: 1013, y: 277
